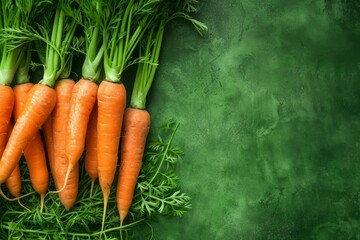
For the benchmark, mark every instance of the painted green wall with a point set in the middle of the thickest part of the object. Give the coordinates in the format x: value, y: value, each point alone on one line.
x: 269, y: 105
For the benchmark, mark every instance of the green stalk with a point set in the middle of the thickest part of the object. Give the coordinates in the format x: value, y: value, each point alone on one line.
x: 22, y: 74
x: 92, y: 12
x: 11, y: 16
x: 51, y: 53
x: 136, y: 18
x: 146, y: 71
x: 57, y: 58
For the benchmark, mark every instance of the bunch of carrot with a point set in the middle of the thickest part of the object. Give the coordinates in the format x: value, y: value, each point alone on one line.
x: 90, y: 113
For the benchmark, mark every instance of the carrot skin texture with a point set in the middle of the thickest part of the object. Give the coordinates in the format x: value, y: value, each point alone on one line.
x: 82, y: 102
x: 60, y: 120
x: 49, y: 141
x: 135, y: 130
x: 13, y: 183
x: 91, y: 145
x: 111, y: 106
x: 39, y: 104
x: 34, y: 153
x: 7, y: 100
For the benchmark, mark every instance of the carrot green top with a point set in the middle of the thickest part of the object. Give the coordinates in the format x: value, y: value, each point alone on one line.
x: 14, y: 14
x: 129, y: 21
x: 151, y: 46
x: 95, y: 17
x: 22, y: 72
x: 57, y: 46
x: 56, y: 22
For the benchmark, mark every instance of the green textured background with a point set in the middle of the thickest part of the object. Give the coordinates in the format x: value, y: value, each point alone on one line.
x: 269, y: 105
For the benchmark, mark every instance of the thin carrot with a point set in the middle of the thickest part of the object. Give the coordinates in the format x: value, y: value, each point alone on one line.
x: 111, y: 105
x: 91, y: 148
x: 60, y: 120
x: 135, y: 130
x: 34, y: 153
x: 95, y: 19
x: 13, y: 183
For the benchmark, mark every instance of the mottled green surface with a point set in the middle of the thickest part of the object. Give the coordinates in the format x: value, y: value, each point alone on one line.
x: 269, y: 105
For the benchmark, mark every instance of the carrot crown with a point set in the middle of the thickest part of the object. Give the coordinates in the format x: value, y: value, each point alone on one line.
x: 95, y: 18
x: 14, y: 14
x: 130, y: 19
x: 22, y: 72
x: 57, y: 57
x: 151, y: 46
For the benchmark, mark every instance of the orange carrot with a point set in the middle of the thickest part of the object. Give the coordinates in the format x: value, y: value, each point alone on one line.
x: 39, y: 104
x: 82, y: 101
x: 7, y: 103
x: 111, y: 105
x: 60, y: 120
x: 35, y: 153
x: 49, y: 141
x: 135, y: 130
x: 91, y: 148
x: 13, y: 183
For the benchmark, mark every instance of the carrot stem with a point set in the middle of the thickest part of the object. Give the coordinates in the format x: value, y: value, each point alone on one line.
x: 165, y: 152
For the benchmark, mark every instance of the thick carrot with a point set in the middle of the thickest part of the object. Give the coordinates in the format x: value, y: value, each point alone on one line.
x: 135, y: 130
x: 35, y: 153
x: 82, y: 101
x: 111, y: 105
x: 91, y: 148
x: 60, y: 120
x: 7, y: 99
x: 39, y: 104
x: 13, y: 183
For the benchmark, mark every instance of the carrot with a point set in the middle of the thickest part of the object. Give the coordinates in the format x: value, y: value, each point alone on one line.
x: 13, y: 183
x: 60, y: 120
x: 7, y: 100
x: 82, y: 101
x: 34, y: 154
x: 111, y: 105
x: 91, y: 148
x: 39, y: 104
x: 49, y: 141
x: 135, y: 130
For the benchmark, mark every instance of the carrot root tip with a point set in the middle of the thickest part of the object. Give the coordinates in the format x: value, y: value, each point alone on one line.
x: 42, y: 200
x: 70, y: 167
x: 13, y: 199
x: 92, y: 187
x: 23, y: 206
